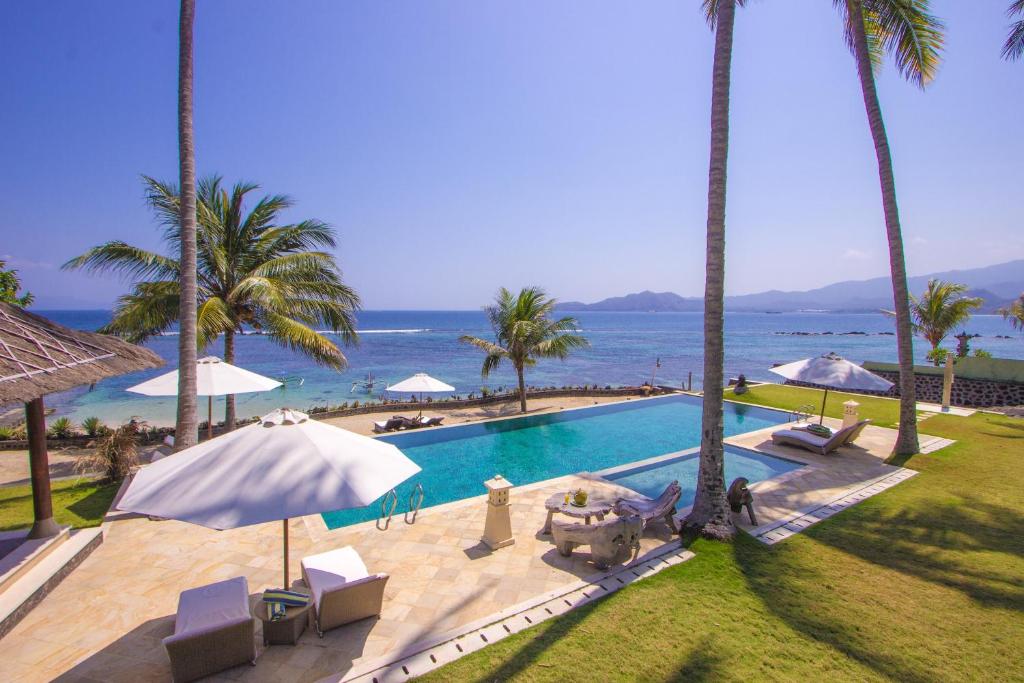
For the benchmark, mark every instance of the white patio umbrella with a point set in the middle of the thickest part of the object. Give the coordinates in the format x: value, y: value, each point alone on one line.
x: 421, y: 383
x: 832, y: 372
x: 284, y: 466
x: 214, y: 377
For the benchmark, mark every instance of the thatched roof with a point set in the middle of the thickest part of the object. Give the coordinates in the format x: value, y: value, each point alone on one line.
x: 39, y: 357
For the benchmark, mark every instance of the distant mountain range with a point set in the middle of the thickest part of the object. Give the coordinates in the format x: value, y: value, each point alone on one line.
x: 998, y: 285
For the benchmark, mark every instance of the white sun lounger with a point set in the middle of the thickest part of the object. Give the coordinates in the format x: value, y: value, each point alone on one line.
x: 819, y: 444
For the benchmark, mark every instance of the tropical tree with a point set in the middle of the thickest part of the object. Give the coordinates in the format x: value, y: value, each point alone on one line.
x: 186, y: 424
x: 10, y: 286
x: 1014, y: 313
x: 913, y: 38
x: 941, y: 308
x: 710, y: 513
x: 525, y: 331
x: 252, y: 272
x: 1013, y: 48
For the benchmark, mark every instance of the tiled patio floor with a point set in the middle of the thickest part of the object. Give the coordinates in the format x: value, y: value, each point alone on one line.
x: 105, y: 621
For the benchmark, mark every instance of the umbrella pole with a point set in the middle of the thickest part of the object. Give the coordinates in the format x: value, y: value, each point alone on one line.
x: 285, y: 555
x: 821, y: 420
x: 209, y: 416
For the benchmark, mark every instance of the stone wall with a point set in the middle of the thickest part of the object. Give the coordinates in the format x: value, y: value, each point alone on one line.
x: 967, y: 392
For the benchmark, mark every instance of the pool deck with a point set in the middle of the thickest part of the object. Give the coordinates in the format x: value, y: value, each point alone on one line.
x: 105, y: 621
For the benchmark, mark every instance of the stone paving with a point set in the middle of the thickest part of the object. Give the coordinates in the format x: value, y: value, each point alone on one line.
x: 823, y: 480
x: 106, y: 620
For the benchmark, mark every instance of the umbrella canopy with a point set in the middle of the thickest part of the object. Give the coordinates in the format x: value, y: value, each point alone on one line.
x: 214, y: 377
x: 421, y: 383
x: 832, y: 372
x: 284, y: 466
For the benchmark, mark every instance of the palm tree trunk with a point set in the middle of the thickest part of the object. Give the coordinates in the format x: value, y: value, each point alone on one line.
x: 186, y: 425
x: 711, y: 512
x: 229, y: 400
x: 906, y: 441
x: 522, y: 389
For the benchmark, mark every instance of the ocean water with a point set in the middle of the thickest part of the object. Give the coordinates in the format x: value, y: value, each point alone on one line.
x: 456, y: 460
x: 624, y: 347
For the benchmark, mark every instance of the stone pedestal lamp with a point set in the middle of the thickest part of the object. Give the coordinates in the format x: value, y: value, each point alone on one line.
x: 498, y: 527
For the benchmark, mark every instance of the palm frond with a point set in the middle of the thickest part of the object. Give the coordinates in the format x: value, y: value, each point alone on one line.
x: 1014, y: 313
x: 151, y: 308
x: 710, y: 10
x: 298, y: 337
x: 1013, y: 48
x: 905, y: 29
x: 213, y: 318
x: 128, y: 261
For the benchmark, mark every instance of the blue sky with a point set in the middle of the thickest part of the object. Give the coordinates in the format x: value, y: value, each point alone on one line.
x: 458, y: 146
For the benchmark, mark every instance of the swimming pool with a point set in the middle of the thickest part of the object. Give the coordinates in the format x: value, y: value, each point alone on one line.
x: 652, y: 479
x: 456, y: 460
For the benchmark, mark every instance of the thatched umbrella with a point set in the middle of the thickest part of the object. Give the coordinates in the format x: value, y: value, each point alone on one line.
x: 39, y: 357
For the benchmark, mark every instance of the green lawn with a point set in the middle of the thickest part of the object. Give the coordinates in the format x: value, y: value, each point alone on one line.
x: 79, y: 503
x: 924, y: 582
x: 884, y: 412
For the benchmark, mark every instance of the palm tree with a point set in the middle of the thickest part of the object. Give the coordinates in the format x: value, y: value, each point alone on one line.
x: 913, y: 37
x: 1014, y: 313
x: 524, y: 332
x: 186, y: 424
x: 939, y: 310
x: 252, y: 272
x: 710, y: 511
x: 10, y: 288
x: 1013, y: 48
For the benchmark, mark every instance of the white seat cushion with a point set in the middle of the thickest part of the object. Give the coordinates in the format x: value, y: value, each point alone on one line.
x: 333, y: 569
x: 806, y: 437
x: 206, y: 607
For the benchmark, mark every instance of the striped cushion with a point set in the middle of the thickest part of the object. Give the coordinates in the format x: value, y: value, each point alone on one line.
x: 276, y: 610
x: 288, y: 598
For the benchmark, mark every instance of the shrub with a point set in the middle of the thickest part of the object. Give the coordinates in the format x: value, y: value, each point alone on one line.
x: 6, y: 433
x: 485, y: 392
x: 116, y: 453
x: 355, y: 404
x: 982, y: 353
x: 61, y: 428
x: 93, y: 426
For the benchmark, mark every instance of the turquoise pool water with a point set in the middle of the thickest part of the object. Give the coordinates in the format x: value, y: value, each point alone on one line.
x: 651, y: 480
x: 457, y: 460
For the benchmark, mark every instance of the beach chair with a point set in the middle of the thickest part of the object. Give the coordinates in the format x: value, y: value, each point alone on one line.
x: 213, y: 630
x: 394, y: 424
x: 343, y: 590
x: 662, y: 507
x: 425, y: 421
x: 819, y: 444
x: 608, y: 540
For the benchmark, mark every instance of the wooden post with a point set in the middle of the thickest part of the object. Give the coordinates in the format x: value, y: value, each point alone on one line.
x: 209, y: 419
x: 285, y: 586
x: 44, y: 525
